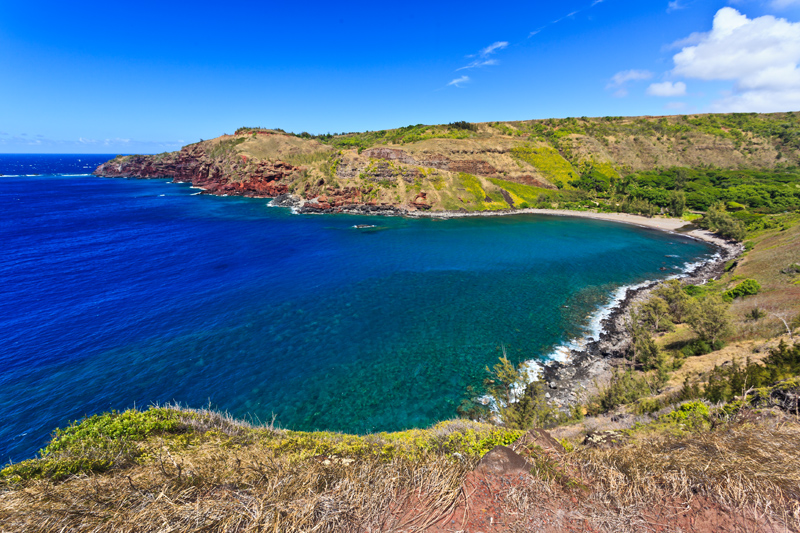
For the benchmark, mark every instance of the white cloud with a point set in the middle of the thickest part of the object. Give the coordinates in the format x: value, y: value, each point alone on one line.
x: 492, y: 48
x: 109, y: 142
x: 621, y: 78
x: 483, y: 56
x: 784, y: 4
x: 459, y: 81
x: 476, y: 64
x: 760, y: 55
x: 691, y: 40
x: 569, y: 15
x: 667, y: 89
x: 675, y: 5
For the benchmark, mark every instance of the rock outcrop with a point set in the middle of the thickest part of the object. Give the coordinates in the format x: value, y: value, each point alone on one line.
x: 236, y: 176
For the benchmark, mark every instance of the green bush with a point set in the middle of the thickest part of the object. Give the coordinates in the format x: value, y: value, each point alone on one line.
x: 726, y: 382
x: 692, y: 415
x: 701, y: 347
x: 98, y: 430
x: 624, y: 388
x: 746, y: 288
x: 463, y: 125
x: 95, y: 444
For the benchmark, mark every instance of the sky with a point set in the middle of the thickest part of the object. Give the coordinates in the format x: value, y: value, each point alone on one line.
x: 151, y: 76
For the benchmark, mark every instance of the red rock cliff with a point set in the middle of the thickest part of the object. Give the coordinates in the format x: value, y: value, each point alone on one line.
x: 232, y: 175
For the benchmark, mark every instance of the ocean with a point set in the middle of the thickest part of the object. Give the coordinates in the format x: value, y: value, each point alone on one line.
x: 117, y: 293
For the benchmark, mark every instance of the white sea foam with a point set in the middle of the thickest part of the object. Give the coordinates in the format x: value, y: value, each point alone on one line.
x: 563, y: 352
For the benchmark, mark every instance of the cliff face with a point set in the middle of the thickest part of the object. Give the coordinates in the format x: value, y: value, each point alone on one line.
x: 489, y: 166
x: 219, y: 176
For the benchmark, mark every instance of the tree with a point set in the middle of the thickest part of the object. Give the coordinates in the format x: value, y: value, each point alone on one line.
x: 504, y: 381
x: 709, y: 318
x: 677, y: 300
x: 680, y: 178
x: 677, y: 203
x: 518, y: 411
x: 655, y: 313
x: 532, y: 410
x: 718, y: 220
x: 647, y: 352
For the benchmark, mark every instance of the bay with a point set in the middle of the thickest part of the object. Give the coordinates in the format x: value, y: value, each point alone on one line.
x: 115, y: 293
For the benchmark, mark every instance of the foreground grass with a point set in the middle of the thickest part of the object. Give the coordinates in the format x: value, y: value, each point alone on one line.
x: 167, y: 469
x: 172, y: 469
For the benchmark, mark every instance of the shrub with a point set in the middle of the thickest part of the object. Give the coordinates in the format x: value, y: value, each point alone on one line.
x: 755, y: 314
x: 624, y: 388
x: 96, y: 444
x: 701, y: 347
x: 746, y: 288
x: 692, y: 415
x: 726, y: 382
x: 463, y: 125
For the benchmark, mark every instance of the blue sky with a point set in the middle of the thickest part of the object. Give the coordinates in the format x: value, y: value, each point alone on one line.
x: 146, y: 76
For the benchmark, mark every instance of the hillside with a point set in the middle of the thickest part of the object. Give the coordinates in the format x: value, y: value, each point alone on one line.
x: 572, y: 163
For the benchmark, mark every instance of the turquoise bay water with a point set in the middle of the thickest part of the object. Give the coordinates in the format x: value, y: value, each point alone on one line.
x: 121, y: 292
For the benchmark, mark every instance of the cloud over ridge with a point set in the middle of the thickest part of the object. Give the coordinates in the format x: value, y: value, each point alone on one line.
x: 761, y: 55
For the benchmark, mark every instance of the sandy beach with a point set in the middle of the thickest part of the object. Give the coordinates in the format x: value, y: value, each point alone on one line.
x: 660, y: 223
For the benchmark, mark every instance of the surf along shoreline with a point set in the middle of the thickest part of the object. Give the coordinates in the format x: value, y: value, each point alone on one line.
x: 588, y: 362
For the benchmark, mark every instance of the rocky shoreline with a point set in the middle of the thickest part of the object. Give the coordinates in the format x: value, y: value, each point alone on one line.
x: 571, y: 381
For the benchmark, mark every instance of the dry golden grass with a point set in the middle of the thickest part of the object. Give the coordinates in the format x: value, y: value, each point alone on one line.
x: 282, y: 147
x: 216, y: 487
x: 229, y: 478
x: 742, y: 465
x: 696, y: 367
x: 214, y: 473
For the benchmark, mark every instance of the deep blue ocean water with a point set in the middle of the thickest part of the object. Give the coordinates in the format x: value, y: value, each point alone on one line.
x: 117, y: 292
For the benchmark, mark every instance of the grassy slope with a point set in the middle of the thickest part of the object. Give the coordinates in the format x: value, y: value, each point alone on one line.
x: 188, y: 469
x: 536, y: 156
